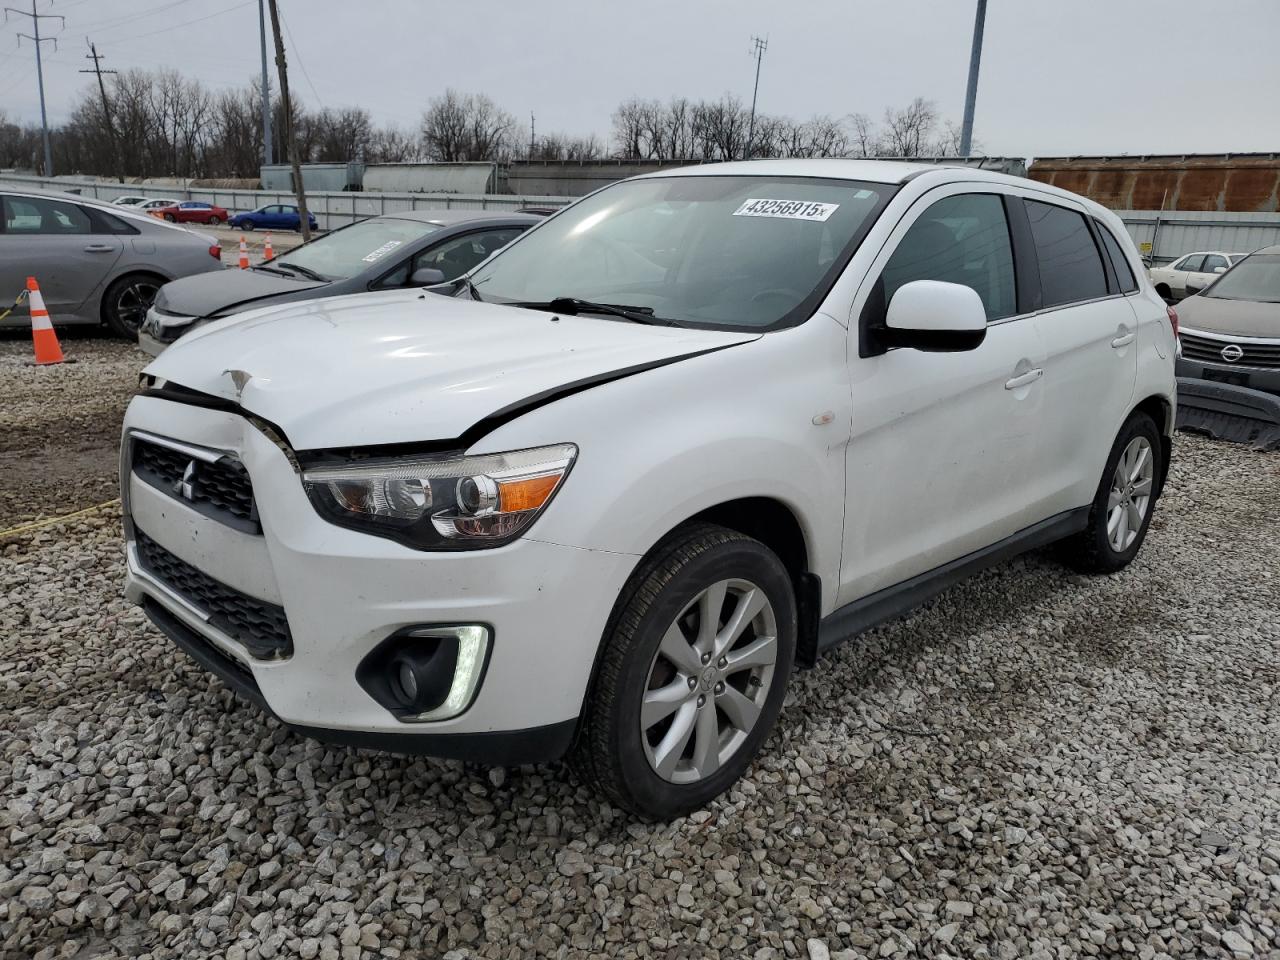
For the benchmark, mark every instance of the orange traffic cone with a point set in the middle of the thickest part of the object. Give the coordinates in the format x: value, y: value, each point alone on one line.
x: 266, y: 249
x: 46, y: 341
x: 244, y: 254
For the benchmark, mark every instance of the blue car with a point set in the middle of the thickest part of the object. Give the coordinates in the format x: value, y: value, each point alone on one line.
x: 273, y: 216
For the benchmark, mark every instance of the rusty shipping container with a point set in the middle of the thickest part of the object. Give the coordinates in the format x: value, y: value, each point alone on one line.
x: 1241, y: 182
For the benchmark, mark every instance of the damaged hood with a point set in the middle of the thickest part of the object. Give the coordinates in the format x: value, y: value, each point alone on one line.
x: 407, y: 367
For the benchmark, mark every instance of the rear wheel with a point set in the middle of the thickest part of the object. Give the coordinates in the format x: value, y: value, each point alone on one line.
x: 247, y: 225
x: 1164, y: 291
x: 1122, y: 507
x: 693, y: 673
x: 125, y: 304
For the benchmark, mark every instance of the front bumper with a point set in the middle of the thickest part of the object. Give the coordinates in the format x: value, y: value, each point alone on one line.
x: 344, y: 592
x: 159, y: 330
x: 1254, y: 378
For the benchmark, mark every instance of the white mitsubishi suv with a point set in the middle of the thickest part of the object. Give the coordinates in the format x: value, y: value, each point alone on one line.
x: 602, y: 497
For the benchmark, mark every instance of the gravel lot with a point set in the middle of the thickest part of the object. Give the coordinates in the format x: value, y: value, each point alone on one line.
x: 1035, y: 765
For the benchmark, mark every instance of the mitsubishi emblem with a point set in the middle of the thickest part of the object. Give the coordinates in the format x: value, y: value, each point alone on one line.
x: 187, y: 486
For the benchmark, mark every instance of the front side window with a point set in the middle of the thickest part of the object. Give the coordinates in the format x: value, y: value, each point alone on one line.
x: 1212, y: 262
x: 357, y: 248
x: 1255, y: 278
x: 455, y: 257
x: 1119, y: 262
x: 1070, y: 265
x: 721, y: 251
x: 962, y: 239
x: 36, y: 215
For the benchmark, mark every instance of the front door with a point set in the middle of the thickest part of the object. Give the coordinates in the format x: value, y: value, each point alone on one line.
x: 942, y: 446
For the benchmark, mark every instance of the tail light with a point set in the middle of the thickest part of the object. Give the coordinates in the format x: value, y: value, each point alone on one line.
x: 215, y: 251
x: 1173, y: 320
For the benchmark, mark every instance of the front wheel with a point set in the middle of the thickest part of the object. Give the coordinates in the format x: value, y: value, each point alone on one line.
x: 693, y: 673
x: 1122, y: 507
x: 170, y: 218
x: 125, y: 304
x: 214, y: 220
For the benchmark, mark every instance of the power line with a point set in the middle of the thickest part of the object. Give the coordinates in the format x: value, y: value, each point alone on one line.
x: 111, y: 23
x: 37, y: 40
x: 187, y: 23
x: 297, y: 55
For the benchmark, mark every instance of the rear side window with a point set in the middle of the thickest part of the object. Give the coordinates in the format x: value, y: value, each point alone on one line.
x: 1119, y: 262
x: 1191, y: 263
x: 962, y: 239
x: 1212, y: 262
x: 37, y: 215
x: 1070, y: 265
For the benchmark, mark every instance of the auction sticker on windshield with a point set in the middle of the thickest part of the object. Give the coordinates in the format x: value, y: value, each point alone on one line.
x: 382, y: 251
x: 787, y: 209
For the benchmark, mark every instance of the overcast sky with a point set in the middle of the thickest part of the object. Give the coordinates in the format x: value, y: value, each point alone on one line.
x: 1058, y: 76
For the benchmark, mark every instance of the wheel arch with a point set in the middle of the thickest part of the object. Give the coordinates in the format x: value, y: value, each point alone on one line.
x: 1160, y: 409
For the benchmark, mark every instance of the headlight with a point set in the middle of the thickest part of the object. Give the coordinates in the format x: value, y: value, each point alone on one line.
x: 447, y: 502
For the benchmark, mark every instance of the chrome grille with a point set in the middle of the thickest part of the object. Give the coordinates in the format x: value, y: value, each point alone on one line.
x: 220, y: 490
x: 1253, y: 353
x: 260, y: 627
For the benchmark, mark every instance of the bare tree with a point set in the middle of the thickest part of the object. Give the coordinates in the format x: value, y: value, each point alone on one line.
x: 459, y: 127
x: 909, y: 132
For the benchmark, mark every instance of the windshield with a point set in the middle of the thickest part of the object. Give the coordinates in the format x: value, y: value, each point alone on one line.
x: 724, y: 251
x: 1254, y: 278
x: 355, y: 249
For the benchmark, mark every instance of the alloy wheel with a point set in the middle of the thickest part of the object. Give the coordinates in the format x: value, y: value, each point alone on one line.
x: 1130, y: 496
x: 132, y: 302
x: 709, y: 681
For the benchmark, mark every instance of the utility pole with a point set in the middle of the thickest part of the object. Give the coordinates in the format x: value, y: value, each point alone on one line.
x: 267, y: 146
x: 759, y: 46
x: 290, y: 136
x: 116, y: 160
x: 37, y: 40
x: 971, y: 92
x: 531, y: 136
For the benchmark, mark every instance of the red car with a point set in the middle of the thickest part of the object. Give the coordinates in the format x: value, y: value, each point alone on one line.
x: 191, y: 211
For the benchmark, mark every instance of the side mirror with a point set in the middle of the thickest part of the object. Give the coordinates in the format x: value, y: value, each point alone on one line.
x: 936, y: 317
x: 1219, y: 269
x: 426, y: 277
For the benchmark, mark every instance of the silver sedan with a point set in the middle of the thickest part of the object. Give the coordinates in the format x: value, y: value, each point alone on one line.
x: 95, y: 263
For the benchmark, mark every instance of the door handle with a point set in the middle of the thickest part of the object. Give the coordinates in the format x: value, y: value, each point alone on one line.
x: 98, y: 248
x: 1031, y: 376
x: 1123, y: 340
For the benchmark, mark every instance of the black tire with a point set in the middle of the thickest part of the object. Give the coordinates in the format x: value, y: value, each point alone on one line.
x: 248, y: 225
x: 1091, y: 550
x: 611, y: 753
x: 171, y: 218
x: 214, y: 221
x: 125, y: 303
x: 1165, y: 292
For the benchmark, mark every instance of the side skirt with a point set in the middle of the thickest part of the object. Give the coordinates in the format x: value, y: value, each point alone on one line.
x: 900, y: 599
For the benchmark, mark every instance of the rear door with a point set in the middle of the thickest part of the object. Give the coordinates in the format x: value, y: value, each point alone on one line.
x: 1089, y: 332
x: 1214, y: 264
x: 1182, y: 269
x: 55, y: 242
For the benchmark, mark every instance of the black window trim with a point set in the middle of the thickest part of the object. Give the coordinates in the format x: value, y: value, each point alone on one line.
x: 1088, y: 218
x: 1099, y: 226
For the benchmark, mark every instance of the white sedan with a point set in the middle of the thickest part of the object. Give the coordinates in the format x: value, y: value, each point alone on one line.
x: 1192, y: 273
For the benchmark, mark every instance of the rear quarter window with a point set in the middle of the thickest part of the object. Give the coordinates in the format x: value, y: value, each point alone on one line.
x: 1119, y: 262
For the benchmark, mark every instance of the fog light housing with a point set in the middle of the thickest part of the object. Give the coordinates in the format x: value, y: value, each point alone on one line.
x: 427, y: 673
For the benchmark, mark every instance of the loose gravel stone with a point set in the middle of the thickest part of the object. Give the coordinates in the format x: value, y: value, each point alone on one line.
x: 1035, y: 765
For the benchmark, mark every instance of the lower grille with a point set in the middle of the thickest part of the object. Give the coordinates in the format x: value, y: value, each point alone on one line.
x: 1206, y: 350
x: 260, y: 626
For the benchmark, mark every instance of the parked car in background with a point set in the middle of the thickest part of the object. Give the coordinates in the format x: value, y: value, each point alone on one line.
x: 1230, y: 331
x: 191, y: 211
x: 128, y: 201
x: 95, y: 262
x: 706, y: 424
x: 409, y: 249
x: 1191, y: 273
x: 271, y: 216
x: 151, y: 205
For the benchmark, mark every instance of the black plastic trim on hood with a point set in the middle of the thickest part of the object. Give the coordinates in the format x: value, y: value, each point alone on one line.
x: 176, y: 393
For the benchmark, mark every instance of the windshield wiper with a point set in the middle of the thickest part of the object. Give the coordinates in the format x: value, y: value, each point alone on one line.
x: 574, y: 306
x: 303, y: 271
x: 470, y: 288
